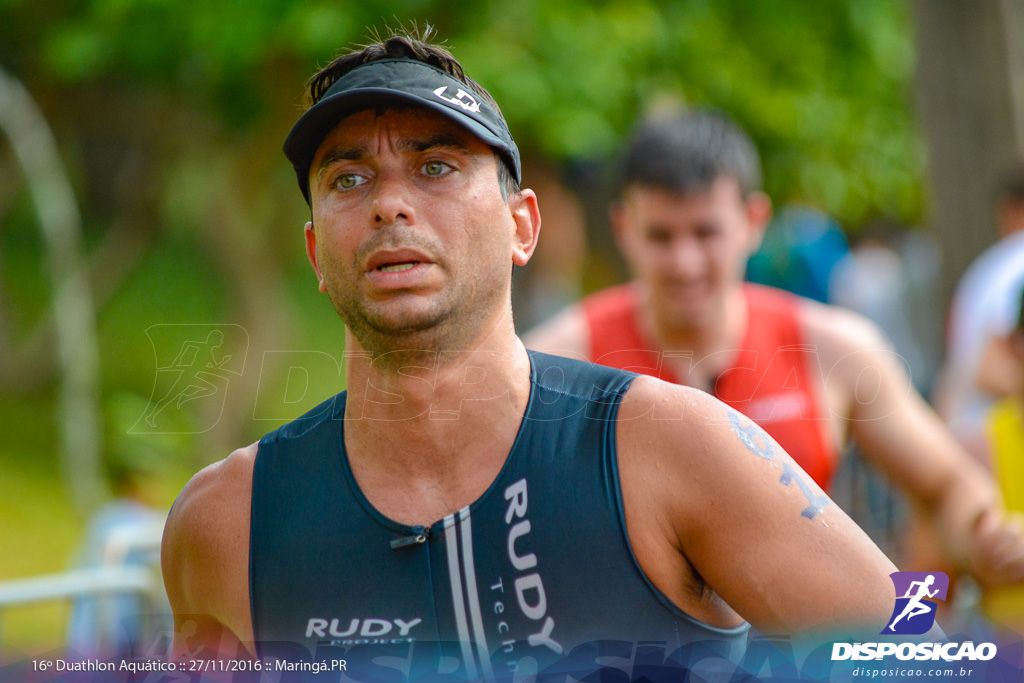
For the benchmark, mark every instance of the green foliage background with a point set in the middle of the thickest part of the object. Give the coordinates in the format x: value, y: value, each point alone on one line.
x: 170, y: 115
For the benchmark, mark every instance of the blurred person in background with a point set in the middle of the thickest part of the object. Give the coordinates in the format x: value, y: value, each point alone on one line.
x: 876, y: 279
x: 689, y: 215
x: 1004, y: 449
x: 983, y: 310
x: 123, y: 533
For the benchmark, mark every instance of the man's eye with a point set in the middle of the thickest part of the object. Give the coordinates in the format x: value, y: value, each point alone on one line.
x: 436, y: 168
x: 348, y: 181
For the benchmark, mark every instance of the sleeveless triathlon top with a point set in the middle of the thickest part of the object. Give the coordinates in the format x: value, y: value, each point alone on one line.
x: 537, y: 575
x: 770, y: 379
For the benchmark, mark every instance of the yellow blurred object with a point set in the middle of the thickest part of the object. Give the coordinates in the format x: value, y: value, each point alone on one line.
x: 1005, y: 427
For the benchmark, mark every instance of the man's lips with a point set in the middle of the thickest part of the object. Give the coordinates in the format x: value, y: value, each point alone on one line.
x: 397, y: 269
x: 395, y: 260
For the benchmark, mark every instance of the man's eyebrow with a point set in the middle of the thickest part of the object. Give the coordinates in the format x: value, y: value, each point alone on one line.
x: 342, y: 154
x: 439, y: 141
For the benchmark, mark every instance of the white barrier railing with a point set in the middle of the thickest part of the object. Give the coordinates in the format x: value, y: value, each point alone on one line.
x: 77, y: 583
x: 128, y: 569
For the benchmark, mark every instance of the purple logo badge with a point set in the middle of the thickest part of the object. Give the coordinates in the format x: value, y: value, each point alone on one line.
x: 916, y: 593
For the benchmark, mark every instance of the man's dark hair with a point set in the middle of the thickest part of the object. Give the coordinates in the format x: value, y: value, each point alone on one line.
x: 410, y: 44
x: 686, y: 152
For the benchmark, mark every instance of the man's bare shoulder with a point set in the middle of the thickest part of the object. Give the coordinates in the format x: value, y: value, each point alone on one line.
x: 848, y: 345
x: 836, y: 330
x: 671, y: 428
x: 205, y: 551
x: 671, y: 407
x: 217, y: 493
x: 564, y: 334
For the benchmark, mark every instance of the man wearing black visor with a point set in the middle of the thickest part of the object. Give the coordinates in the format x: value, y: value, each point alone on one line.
x: 466, y: 509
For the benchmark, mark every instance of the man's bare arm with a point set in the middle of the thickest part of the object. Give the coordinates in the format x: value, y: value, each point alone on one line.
x: 751, y: 524
x: 205, y: 559
x: 902, y: 436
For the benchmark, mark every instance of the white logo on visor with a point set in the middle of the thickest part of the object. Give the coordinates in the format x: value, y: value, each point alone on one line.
x: 462, y: 98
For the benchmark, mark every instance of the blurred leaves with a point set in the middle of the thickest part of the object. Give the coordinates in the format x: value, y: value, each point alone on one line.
x: 822, y: 86
x: 170, y: 115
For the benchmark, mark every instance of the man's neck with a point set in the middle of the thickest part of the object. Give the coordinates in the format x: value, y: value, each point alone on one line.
x: 438, y: 421
x: 712, y: 342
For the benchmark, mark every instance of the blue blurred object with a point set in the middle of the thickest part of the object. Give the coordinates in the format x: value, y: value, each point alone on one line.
x: 124, y: 533
x: 800, y: 247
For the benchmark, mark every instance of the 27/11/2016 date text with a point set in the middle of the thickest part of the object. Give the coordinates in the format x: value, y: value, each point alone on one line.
x: 232, y: 665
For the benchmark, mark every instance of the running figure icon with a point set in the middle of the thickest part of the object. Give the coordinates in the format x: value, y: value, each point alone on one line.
x: 915, y: 606
x: 194, y: 365
x: 190, y: 367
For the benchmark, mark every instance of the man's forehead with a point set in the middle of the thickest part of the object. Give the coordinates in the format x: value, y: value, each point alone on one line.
x: 397, y: 82
x: 411, y: 124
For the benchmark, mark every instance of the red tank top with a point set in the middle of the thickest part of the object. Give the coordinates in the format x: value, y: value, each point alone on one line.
x: 769, y: 380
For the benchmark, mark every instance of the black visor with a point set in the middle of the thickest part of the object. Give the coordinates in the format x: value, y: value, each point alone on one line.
x: 402, y: 82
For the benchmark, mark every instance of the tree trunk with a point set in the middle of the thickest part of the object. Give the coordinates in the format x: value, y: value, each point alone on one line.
x: 79, y: 420
x: 970, y: 61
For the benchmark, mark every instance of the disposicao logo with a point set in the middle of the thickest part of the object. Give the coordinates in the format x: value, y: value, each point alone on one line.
x: 914, y: 615
x: 914, y: 612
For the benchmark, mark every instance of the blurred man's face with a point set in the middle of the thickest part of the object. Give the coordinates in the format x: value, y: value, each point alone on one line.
x: 690, y: 251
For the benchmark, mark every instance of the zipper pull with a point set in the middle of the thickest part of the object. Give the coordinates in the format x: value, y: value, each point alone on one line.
x: 421, y: 536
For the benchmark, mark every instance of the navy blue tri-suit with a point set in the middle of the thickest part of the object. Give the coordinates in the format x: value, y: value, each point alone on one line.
x: 536, y: 576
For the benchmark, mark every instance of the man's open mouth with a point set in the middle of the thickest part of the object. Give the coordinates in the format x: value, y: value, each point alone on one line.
x: 397, y: 267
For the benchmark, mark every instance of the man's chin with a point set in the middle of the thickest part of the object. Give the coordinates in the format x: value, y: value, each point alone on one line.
x: 393, y: 333
x: 689, y: 313
x: 402, y: 332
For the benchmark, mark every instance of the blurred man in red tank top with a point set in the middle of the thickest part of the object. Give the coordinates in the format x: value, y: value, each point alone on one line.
x: 690, y: 213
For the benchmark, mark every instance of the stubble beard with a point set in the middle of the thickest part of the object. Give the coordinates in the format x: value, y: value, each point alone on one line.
x: 452, y: 322
x: 446, y: 320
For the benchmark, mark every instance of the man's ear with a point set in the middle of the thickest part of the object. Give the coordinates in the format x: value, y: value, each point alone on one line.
x: 311, y: 254
x: 758, y: 208
x: 526, y: 215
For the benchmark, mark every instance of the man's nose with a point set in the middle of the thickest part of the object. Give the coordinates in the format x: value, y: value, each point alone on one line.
x: 392, y: 202
x: 685, y: 258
